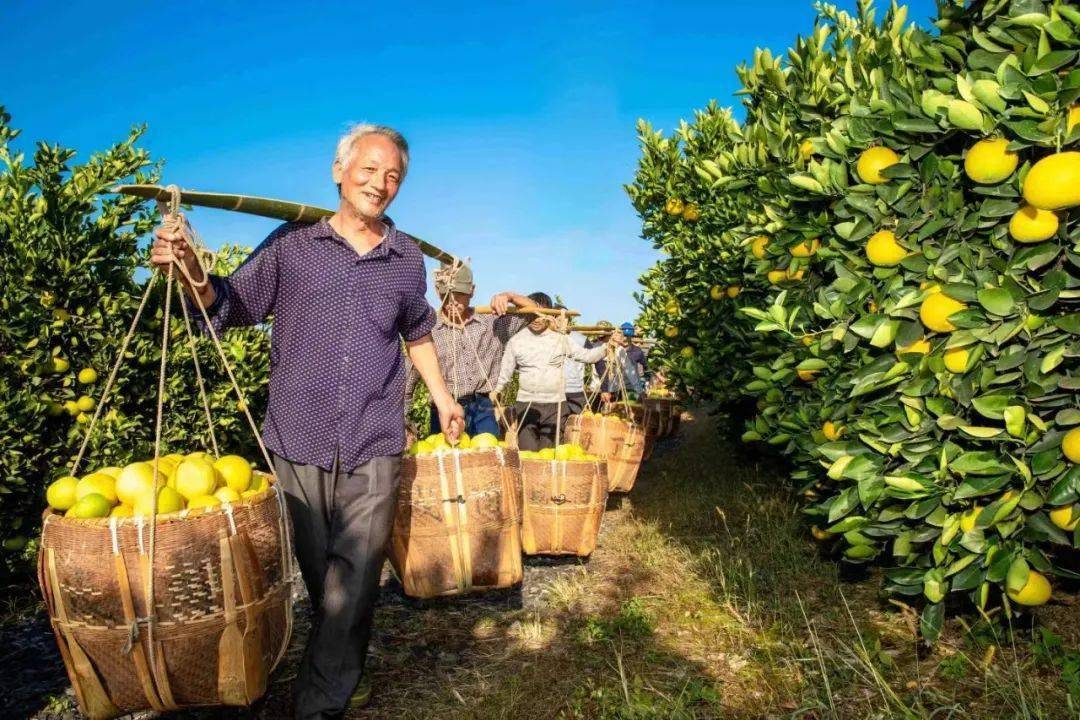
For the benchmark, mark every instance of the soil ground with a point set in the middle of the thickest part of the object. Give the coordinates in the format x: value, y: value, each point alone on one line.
x: 706, y: 598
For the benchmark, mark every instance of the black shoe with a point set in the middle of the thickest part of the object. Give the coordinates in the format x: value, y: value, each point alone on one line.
x: 362, y: 694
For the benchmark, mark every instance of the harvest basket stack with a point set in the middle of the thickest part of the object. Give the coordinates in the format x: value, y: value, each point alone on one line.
x: 621, y: 442
x: 564, y: 504
x: 222, y: 602
x: 458, y: 523
x: 663, y: 415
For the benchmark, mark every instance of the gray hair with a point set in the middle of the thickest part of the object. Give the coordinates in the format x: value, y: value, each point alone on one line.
x: 347, y: 144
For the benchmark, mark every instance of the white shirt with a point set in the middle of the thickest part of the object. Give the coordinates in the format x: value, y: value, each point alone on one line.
x: 539, y: 359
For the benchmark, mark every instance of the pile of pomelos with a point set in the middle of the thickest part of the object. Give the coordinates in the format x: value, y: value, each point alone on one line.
x: 184, y: 482
x: 437, y: 443
x: 567, y: 452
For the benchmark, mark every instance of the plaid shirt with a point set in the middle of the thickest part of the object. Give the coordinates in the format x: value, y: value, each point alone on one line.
x: 469, y: 355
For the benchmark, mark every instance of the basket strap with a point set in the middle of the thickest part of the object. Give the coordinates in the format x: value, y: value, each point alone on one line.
x: 450, y: 520
x: 89, y: 690
x: 158, y: 668
x: 142, y: 670
x: 463, y: 524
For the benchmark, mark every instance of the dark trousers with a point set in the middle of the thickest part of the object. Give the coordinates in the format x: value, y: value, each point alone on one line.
x: 342, y: 522
x: 479, y: 416
x: 536, y: 424
x: 575, y: 403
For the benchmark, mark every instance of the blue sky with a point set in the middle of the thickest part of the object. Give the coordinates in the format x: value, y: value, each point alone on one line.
x: 521, y: 116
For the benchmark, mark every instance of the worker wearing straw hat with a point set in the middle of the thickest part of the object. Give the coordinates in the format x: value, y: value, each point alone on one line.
x: 469, y: 346
x: 538, y: 354
x: 343, y: 293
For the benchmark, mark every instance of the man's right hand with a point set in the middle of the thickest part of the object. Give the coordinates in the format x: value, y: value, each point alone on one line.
x: 171, y: 244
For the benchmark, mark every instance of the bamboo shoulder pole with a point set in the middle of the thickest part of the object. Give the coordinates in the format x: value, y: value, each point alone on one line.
x: 486, y: 310
x: 263, y: 207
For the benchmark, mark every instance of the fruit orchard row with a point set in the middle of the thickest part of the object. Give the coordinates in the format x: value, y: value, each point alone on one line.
x: 883, y: 257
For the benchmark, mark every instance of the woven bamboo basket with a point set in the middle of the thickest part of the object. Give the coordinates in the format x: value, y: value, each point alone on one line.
x: 663, y: 414
x: 564, y: 504
x: 222, y: 574
x: 458, y: 523
x: 620, y: 443
x: 639, y: 413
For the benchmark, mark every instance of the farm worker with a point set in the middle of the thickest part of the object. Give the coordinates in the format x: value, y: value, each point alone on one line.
x: 538, y: 354
x: 469, y: 346
x: 636, y: 365
x: 343, y: 294
x: 574, y: 372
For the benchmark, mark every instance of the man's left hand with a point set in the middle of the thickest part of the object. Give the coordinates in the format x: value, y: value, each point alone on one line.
x: 452, y: 420
x: 500, y: 303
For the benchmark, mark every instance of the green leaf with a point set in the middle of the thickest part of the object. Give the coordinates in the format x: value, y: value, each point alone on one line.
x: 996, y: 300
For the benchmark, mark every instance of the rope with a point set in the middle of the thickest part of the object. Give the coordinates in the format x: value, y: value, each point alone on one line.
x: 113, y: 373
x: 199, y: 377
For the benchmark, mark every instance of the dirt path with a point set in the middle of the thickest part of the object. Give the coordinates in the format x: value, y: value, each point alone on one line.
x: 704, y: 599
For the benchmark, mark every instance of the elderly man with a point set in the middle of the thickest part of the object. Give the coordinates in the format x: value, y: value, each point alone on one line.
x: 343, y: 294
x: 469, y: 346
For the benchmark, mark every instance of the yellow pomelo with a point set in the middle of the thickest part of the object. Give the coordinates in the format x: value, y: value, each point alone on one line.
x: 93, y: 505
x: 872, y: 161
x: 1070, y: 445
x: 464, y: 442
x: 135, y: 480
x: 733, y: 290
x: 921, y: 346
x: 195, y: 478
x: 1053, y: 183
x: 227, y: 494
x: 546, y: 454
x: 485, y: 440
x: 1074, y: 118
x: 936, y: 309
x: 203, y: 501
x: 956, y: 359
x: 169, y: 501
x: 967, y: 520
x: 1065, y: 517
x: 806, y: 248
x: 61, y: 493
x: 988, y: 162
x: 716, y: 292
x: 883, y: 250
x: 199, y: 455
x: 831, y: 431
x: 421, y: 447
x: 234, y: 471
x: 671, y: 331
x: 1036, y: 590
x: 87, y: 376
x: 437, y: 441
x: 98, y: 483
x: 258, y: 483
x: 1031, y: 225
x: 112, y: 471
x: 757, y: 246
x: 84, y: 403
x: 777, y: 276
x: 122, y: 511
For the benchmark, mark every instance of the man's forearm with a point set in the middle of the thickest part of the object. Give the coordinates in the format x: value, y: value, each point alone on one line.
x: 204, y: 295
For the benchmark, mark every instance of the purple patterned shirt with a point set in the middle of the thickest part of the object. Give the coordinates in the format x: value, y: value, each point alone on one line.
x: 337, y: 372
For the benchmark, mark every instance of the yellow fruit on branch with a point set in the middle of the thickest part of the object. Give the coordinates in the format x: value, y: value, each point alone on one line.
x: 990, y: 161
x: 806, y: 149
x: 806, y: 248
x: 674, y: 206
x: 956, y: 360
x: 1070, y: 445
x: 88, y: 376
x: 1065, y: 517
x: 920, y: 346
x: 687, y: 352
x: 936, y: 309
x: 1036, y: 590
x: 716, y: 292
x: 1030, y: 224
x: 733, y: 290
x: 60, y: 365
x: 1053, y: 183
x: 757, y: 246
x: 872, y: 161
x: 671, y: 331
x: 691, y: 212
x: 85, y: 404
x: 831, y: 431
x: 1073, y: 119
x: 882, y: 249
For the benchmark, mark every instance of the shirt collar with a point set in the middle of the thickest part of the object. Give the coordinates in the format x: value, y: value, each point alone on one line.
x: 394, y: 241
x: 441, y: 319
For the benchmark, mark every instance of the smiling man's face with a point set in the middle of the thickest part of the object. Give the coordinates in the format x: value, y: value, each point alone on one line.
x: 372, y: 178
